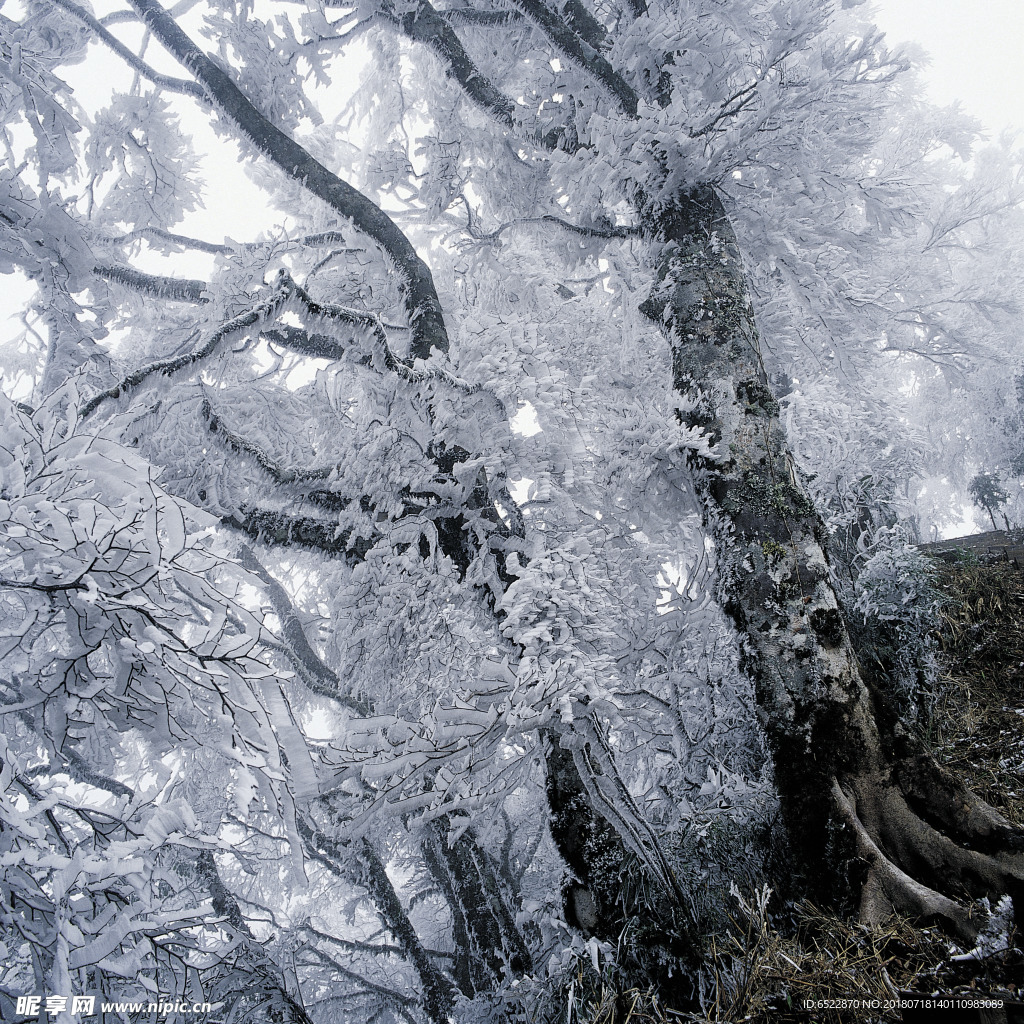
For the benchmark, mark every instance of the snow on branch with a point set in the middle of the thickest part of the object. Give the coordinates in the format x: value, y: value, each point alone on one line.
x: 261, y: 312
x: 468, y: 16
x: 321, y: 239
x: 181, y: 85
x: 420, y: 296
x: 254, y: 451
x: 382, y: 354
x: 309, y: 665
x: 173, y: 288
x: 426, y: 25
x: 438, y: 990
x: 276, y: 526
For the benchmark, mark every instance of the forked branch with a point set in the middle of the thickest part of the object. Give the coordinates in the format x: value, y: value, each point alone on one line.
x: 288, y: 156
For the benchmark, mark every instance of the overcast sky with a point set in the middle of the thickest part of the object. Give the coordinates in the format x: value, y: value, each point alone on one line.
x: 977, y: 51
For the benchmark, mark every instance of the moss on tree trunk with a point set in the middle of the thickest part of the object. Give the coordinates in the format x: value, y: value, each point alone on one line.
x: 869, y: 817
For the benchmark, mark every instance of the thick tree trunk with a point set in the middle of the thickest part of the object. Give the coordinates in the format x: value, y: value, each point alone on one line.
x: 864, y: 808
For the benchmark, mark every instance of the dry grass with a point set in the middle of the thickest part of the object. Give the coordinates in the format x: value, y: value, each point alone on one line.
x: 631, y: 1007
x: 765, y: 975
x: 979, y: 718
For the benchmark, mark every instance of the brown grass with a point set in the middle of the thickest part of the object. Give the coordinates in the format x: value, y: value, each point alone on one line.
x: 979, y: 718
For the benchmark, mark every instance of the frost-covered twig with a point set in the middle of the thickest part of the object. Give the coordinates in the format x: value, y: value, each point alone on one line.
x: 383, y: 356
x: 320, y: 239
x: 581, y: 53
x: 438, y: 990
x: 426, y: 25
x: 254, y: 451
x: 259, y: 313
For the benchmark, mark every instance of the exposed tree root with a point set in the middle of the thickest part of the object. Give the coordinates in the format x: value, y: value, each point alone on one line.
x: 888, y: 889
x: 928, y: 843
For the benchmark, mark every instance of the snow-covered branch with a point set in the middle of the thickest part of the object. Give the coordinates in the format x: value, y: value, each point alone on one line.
x: 421, y: 299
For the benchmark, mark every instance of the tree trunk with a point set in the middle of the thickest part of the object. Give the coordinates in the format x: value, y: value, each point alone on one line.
x: 489, y: 944
x: 864, y: 807
x: 612, y: 894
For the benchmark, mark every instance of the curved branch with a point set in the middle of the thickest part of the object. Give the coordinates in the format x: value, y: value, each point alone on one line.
x: 403, y: 367
x: 309, y: 665
x: 181, y: 85
x: 421, y: 298
x: 254, y: 451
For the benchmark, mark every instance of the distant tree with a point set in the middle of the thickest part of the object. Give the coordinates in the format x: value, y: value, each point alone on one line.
x: 988, y: 493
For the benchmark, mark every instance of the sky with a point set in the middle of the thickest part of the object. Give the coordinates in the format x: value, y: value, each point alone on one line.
x: 976, y: 53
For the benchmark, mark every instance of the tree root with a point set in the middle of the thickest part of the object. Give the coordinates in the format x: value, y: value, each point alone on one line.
x: 888, y: 889
x: 893, y: 838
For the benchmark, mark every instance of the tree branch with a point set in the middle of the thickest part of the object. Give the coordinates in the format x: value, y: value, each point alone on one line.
x: 259, y: 313
x: 311, y: 668
x: 467, y: 16
x: 255, y: 452
x: 388, y: 994
x: 321, y: 239
x: 611, y: 232
x: 439, y: 993
x: 426, y: 25
x: 275, y: 526
x: 180, y: 85
x: 174, y: 288
x: 420, y: 296
x: 259, y: 965
x: 570, y: 44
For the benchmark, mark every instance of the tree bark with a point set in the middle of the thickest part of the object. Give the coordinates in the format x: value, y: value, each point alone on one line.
x: 864, y: 807
x: 490, y: 943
